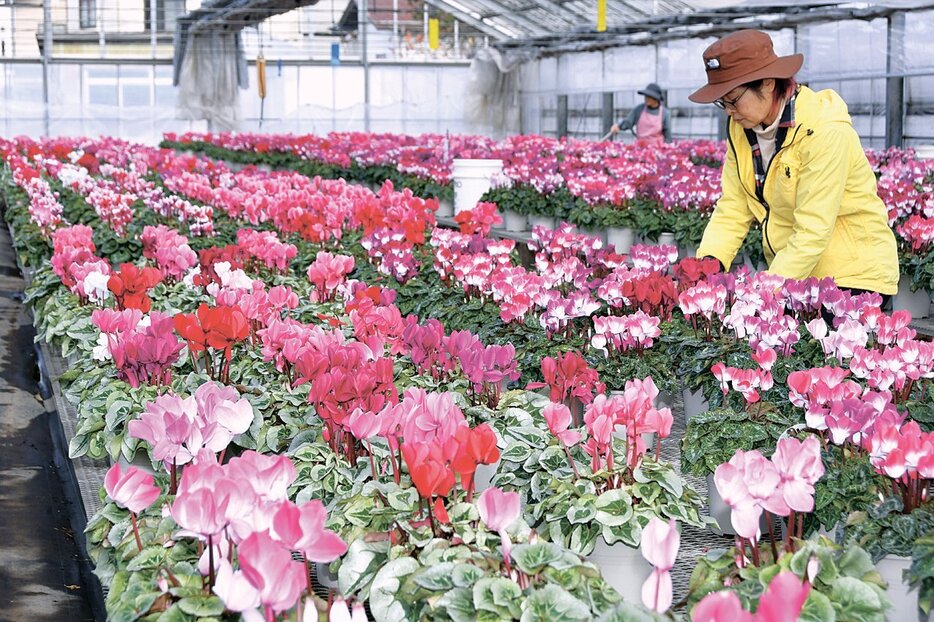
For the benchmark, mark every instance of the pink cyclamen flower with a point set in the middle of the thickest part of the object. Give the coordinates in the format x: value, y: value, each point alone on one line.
x: 720, y: 607
x: 269, y: 567
x: 133, y: 490
x: 301, y: 528
x: 232, y: 587
x: 499, y: 510
x: 800, y: 466
x: 558, y: 418
x: 783, y: 599
x: 660, y: 542
x: 341, y: 613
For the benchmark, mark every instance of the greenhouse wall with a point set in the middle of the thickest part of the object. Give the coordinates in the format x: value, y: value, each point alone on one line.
x: 136, y: 100
x: 842, y: 55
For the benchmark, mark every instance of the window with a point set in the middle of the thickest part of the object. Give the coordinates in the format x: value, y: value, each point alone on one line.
x: 87, y: 13
x: 167, y: 12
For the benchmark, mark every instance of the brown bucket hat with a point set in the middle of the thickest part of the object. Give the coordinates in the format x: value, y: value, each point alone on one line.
x: 740, y: 57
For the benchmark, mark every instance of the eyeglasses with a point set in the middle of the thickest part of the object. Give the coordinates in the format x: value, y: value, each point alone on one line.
x: 724, y: 103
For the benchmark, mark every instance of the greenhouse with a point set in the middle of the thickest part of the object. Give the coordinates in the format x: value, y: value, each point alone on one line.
x: 456, y: 310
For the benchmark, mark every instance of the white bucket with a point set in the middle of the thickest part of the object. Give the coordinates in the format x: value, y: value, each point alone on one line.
x: 623, y: 567
x: 917, y: 303
x: 904, y: 603
x: 666, y: 238
x: 471, y: 179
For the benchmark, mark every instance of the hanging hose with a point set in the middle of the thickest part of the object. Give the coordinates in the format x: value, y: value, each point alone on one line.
x: 261, y: 84
x: 261, y: 76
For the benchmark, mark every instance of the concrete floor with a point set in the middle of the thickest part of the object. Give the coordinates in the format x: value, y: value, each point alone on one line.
x: 41, y: 567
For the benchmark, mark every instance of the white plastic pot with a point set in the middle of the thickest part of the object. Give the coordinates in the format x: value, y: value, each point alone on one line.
x: 141, y: 461
x: 694, y: 403
x: 471, y: 179
x: 666, y: 238
x: 600, y: 234
x: 515, y: 222
x: 623, y: 567
x: 620, y: 238
x: 720, y: 511
x: 483, y: 476
x: 904, y: 603
x: 445, y: 209
x: 917, y: 303
x: 544, y: 221
x: 326, y: 578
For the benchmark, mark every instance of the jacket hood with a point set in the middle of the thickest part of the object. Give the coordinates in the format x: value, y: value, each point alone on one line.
x: 817, y: 107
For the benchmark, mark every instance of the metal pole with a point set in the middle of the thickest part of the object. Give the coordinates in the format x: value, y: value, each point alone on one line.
x: 606, y: 112
x: 101, y: 40
x: 895, y: 84
x: 152, y: 26
x: 395, y: 22
x: 425, y: 26
x: 13, y: 31
x: 362, y: 27
x: 46, y: 57
x: 457, y: 39
x: 562, y: 116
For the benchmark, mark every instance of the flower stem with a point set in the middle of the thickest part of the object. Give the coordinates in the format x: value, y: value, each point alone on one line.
x: 139, y: 543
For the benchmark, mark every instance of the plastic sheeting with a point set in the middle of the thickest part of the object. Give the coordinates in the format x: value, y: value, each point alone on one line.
x: 853, y: 57
x: 491, y: 97
x: 210, y: 77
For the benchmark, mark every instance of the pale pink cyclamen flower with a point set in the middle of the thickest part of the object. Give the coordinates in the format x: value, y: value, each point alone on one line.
x: 499, y: 510
x: 133, y: 489
x: 660, y: 543
x: 800, y: 466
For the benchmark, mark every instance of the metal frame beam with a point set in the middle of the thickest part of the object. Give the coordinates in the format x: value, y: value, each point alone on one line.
x: 479, y: 24
x: 496, y: 10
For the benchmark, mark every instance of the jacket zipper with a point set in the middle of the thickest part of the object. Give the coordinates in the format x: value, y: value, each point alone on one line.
x: 763, y: 203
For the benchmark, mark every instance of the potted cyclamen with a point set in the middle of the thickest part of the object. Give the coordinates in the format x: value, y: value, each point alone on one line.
x: 843, y: 583
x: 712, y: 437
x: 916, y: 259
x: 595, y: 497
x: 892, y: 528
x: 622, y: 350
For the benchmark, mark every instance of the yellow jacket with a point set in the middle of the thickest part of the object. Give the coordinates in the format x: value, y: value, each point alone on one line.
x: 824, y: 217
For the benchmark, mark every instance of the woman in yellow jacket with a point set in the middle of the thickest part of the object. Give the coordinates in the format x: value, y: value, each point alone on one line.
x: 795, y: 164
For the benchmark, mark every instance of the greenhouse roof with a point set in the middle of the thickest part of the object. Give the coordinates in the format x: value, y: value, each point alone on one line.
x: 547, y: 22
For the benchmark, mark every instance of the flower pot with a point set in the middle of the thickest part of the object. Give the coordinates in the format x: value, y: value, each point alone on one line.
x: 694, y: 403
x: 544, y: 221
x: 445, y: 209
x: 666, y: 238
x: 471, y: 179
x: 664, y: 400
x: 917, y: 303
x: 623, y: 567
x: 266, y: 168
x: 904, y: 603
x: 720, y: 511
x: 141, y: 461
x: 687, y: 251
x: 515, y: 222
x: 325, y: 577
x: 484, y: 475
x: 621, y: 238
x: 648, y: 438
x: 600, y: 234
